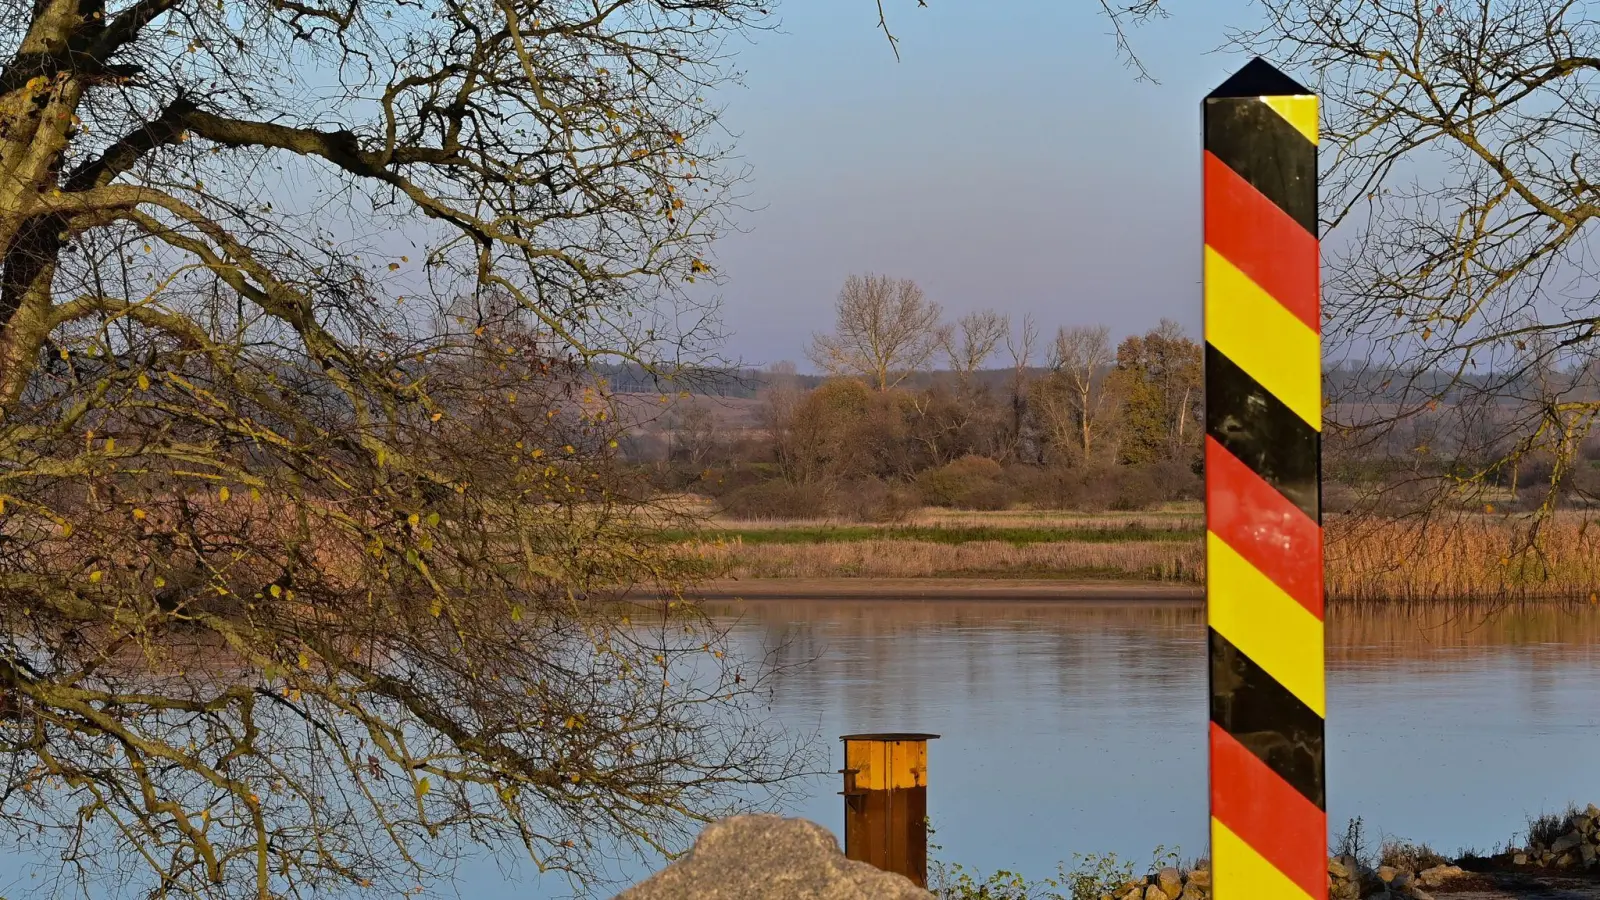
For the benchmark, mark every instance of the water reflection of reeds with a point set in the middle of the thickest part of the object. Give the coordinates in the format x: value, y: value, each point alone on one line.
x: 1355, y: 631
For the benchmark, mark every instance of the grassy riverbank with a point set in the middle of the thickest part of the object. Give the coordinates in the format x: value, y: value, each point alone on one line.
x: 1469, y: 556
x: 1553, y: 856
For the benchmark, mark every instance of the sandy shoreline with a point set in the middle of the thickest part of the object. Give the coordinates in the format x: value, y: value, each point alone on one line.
x: 962, y: 589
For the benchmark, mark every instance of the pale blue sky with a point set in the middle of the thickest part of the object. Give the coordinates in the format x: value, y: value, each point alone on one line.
x: 1008, y: 160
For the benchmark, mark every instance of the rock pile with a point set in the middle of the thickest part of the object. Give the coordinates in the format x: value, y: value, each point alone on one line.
x: 1168, y: 884
x: 1577, y: 845
x: 1350, y: 879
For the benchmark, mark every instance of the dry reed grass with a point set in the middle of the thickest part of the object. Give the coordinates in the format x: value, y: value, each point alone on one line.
x: 1471, y: 557
x: 1468, y: 558
x: 1178, y: 518
x: 1142, y: 560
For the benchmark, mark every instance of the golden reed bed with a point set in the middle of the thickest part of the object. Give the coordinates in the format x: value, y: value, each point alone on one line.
x: 1475, y: 557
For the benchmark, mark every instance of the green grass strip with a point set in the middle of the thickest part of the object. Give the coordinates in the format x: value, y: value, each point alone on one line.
x: 1017, y: 537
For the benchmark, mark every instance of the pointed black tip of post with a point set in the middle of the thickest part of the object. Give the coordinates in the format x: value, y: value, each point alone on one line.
x: 1259, y: 78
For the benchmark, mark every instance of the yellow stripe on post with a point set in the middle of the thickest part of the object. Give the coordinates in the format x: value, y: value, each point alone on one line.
x: 1301, y: 112
x: 1239, y: 871
x: 1265, y: 623
x: 1253, y: 330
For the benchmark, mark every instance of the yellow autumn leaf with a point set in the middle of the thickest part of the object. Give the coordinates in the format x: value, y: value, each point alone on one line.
x: 394, y: 266
x: 413, y: 519
x: 138, y: 514
x: 223, y: 494
x: 94, y: 577
x: 424, y: 786
x: 275, y: 591
x: 255, y: 494
x: 305, y: 661
x: 144, y: 382
x: 111, y: 445
x: 160, y: 582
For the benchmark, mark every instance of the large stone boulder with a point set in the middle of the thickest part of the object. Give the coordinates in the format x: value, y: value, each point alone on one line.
x: 770, y: 858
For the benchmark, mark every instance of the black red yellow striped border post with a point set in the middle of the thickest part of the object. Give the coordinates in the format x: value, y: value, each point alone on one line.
x: 1263, y: 489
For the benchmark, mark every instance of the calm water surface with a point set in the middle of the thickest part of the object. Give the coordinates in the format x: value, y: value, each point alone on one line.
x: 1071, y: 729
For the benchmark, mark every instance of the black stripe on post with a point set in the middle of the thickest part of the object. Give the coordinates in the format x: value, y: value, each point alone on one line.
x: 1254, y: 141
x: 1263, y: 433
x: 1266, y: 719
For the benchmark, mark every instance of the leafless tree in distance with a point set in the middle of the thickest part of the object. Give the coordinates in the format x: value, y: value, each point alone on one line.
x: 973, y: 340
x: 884, y: 330
x: 1080, y: 359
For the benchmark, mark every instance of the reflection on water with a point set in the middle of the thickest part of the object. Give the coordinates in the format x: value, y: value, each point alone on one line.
x: 1070, y: 729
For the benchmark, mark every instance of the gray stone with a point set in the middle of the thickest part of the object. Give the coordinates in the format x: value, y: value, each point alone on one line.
x: 1592, y: 812
x: 1401, y: 881
x: 1566, y: 842
x: 1170, y: 880
x: 1386, y: 874
x: 1200, y: 878
x: 1156, y: 892
x: 1587, y: 854
x: 1417, y: 893
x: 770, y: 858
x: 1519, y: 859
x: 1438, y: 875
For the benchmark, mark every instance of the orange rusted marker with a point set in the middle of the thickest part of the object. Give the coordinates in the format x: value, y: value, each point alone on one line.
x: 886, y: 802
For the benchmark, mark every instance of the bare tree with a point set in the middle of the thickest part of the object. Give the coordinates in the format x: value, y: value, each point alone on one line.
x: 1461, y: 168
x: 304, y: 570
x: 693, y: 432
x: 973, y: 340
x: 1020, y: 347
x: 884, y: 330
x: 1080, y: 360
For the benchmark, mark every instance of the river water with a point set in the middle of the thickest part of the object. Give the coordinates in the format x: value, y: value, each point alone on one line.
x: 1071, y: 729
x: 1074, y: 729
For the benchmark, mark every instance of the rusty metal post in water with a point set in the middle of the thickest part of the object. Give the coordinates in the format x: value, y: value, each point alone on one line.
x: 886, y: 802
x: 1263, y: 384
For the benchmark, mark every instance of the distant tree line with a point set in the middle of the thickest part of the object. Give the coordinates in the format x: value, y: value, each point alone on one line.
x: 911, y: 412
x: 980, y: 412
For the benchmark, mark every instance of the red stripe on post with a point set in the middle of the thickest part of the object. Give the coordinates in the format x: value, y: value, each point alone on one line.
x: 1264, y: 527
x: 1276, y: 820
x: 1263, y: 242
